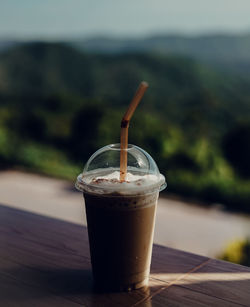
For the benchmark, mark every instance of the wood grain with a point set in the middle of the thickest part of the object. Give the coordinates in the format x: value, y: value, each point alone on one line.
x: 46, y: 262
x: 17, y: 294
x: 176, y: 296
x: 220, y: 279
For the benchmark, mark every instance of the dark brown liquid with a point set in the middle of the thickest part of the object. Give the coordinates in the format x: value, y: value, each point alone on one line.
x: 120, y: 232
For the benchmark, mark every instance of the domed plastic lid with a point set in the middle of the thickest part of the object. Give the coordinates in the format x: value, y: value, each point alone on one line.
x: 101, y: 173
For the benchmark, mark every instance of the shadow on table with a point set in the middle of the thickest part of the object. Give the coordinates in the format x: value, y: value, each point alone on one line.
x: 66, y: 281
x: 27, y: 240
x: 75, y: 285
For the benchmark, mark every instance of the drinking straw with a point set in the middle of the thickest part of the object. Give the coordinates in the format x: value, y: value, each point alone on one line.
x: 124, y: 128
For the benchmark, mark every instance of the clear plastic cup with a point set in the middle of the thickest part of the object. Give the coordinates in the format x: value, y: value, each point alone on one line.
x: 120, y: 215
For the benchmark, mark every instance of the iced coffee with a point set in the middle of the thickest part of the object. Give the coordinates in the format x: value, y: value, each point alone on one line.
x: 120, y: 216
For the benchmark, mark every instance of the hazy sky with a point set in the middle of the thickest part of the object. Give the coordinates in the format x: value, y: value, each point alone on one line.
x: 81, y: 18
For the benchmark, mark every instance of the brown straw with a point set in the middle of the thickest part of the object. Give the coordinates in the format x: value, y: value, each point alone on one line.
x: 124, y: 128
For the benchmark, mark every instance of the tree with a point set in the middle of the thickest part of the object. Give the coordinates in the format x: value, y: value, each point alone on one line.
x: 28, y: 125
x: 236, y: 147
x: 84, y: 133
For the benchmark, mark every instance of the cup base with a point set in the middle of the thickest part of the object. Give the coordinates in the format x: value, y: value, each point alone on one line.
x: 121, y: 288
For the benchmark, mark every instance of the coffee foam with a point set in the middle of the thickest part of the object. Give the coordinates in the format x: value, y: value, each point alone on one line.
x: 99, y: 181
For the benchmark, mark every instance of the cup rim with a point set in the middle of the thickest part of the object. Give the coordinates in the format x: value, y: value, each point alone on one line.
x: 82, y: 186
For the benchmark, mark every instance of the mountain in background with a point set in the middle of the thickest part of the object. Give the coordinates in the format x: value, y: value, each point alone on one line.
x: 182, y: 90
x: 226, y: 51
x: 6, y: 44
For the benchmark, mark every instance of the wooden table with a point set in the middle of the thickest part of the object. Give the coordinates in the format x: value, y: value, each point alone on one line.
x: 45, y: 262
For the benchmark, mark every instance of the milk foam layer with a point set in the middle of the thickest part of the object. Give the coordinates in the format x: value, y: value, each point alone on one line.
x: 131, y: 179
x: 101, y: 182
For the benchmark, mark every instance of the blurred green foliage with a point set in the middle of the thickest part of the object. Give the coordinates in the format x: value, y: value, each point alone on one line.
x: 58, y: 106
x: 236, y: 147
x: 237, y: 251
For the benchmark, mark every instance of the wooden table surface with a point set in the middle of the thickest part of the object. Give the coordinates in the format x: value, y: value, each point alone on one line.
x: 46, y: 262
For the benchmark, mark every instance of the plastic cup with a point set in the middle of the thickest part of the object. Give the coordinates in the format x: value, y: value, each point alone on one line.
x: 120, y: 216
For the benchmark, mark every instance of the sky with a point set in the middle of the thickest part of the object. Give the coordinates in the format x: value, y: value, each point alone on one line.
x: 57, y: 19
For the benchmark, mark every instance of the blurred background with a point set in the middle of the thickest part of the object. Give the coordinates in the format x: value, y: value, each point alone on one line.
x: 68, y: 70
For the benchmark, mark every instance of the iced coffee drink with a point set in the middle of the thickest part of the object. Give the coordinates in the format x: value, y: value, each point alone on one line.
x: 120, y: 216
